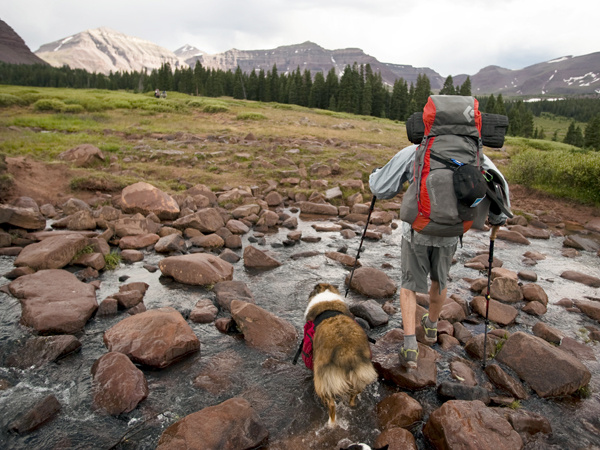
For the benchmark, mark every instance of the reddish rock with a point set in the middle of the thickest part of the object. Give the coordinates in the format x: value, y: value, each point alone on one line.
x: 470, y: 425
x: 38, y: 351
x: 170, y: 243
x: 534, y: 309
x: 398, y: 410
x: 204, y: 311
x: 84, y: 155
x: 371, y: 282
x: 206, y: 220
x: 579, y: 277
x: 547, y: 333
x: 138, y: 241
x: 42, y: 412
x: 54, y: 301
x: 118, y: 386
x: 156, y: 338
x: 196, y: 269
x: 548, y: 370
x: 263, y: 330
x: 220, y: 372
x: 534, y: 293
x: 513, y: 236
x: 462, y: 372
x: 346, y: 260
x: 227, y: 291
x: 132, y: 256
x: 498, y: 312
x: 589, y: 308
x: 258, y: 259
x: 51, y: 253
x: 506, y: 290
x: 318, y: 208
x: 505, y: 382
x: 396, y: 439
x: 144, y: 198
x: 26, y: 218
x: 232, y: 424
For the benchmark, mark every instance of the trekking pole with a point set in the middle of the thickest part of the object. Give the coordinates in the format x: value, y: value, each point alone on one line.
x: 360, y: 245
x: 487, y: 295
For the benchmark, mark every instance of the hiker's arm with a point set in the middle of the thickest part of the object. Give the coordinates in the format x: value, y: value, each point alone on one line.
x: 386, y: 182
x: 495, y: 216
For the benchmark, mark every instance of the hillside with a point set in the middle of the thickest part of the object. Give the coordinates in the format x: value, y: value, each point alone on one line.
x: 13, y: 49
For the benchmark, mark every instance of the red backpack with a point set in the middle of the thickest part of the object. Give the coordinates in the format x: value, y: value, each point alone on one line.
x: 448, y: 181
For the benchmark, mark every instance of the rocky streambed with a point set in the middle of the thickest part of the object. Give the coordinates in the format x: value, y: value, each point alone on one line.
x: 190, y: 339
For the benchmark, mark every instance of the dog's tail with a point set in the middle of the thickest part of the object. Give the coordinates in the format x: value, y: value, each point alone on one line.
x: 347, y: 373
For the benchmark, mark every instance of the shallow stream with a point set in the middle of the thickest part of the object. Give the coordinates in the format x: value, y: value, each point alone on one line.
x: 280, y: 392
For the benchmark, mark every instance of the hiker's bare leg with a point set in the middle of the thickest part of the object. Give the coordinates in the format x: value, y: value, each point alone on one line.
x: 436, y: 301
x: 408, y: 308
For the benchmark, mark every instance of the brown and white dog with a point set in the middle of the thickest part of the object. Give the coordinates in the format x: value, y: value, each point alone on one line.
x: 341, y: 352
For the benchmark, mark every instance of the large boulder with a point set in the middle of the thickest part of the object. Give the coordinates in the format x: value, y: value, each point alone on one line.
x: 197, y: 269
x: 398, y: 410
x: 118, y: 386
x: 156, y: 338
x: 54, y: 301
x: 372, y: 283
x: 548, y: 370
x: 51, y: 253
x: 258, y: 259
x: 227, y: 291
x: 589, y: 308
x: 498, y: 312
x: 40, y: 350
x: 206, y: 220
x: 230, y: 425
x: 264, y: 330
x: 144, y: 198
x: 470, y: 425
x: 26, y: 218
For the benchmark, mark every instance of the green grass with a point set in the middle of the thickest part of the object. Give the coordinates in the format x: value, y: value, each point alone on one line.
x: 112, y: 260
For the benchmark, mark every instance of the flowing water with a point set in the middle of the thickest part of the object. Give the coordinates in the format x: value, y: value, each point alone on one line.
x: 280, y: 392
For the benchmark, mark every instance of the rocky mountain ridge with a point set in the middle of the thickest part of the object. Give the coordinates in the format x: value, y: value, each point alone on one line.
x: 13, y: 49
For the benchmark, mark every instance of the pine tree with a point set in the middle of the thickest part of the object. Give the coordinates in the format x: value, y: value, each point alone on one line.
x: 239, y: 90
x: 274, y: 85
x: 499, y: 108
x: 490, y: 105
x: 399, y: 100
x: 317, y: 92
x: 465, y: 89
x: 592, y: 133
x: 332, y: 85
x: 448, y: 87
x: 422, y: 92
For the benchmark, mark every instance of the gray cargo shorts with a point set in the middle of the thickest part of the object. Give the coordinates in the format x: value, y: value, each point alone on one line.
x: 419, y: 261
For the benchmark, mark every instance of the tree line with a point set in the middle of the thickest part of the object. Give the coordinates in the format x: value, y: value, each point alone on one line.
x: 359, y: 90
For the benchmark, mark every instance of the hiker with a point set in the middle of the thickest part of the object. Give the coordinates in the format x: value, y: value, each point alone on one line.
x: 157, y: 93
x: 424, y: 254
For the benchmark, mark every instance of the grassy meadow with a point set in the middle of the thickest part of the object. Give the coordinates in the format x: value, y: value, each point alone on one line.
x: 180, y: 141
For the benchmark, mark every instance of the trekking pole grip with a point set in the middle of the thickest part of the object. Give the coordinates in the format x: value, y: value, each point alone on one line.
x: 495, y: 229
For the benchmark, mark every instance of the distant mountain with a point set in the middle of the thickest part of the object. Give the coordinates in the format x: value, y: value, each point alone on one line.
x: 561, y: 76
x: 13, y: 49
x: 313, y: 57
x: 103, y: 50
x: 188, y: 52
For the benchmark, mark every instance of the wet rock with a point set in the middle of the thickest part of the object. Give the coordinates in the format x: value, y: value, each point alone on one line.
x: 579, y: 277
x: 462, y: 372
x: 138, y: 241
x: 371, y: 311
x: 459, y: 391
x: 263, y: 330
x: 547, y: 333
x: 196, y: 269
x: 210, y: 241
x: 579, y: 242
x: 26, y: 218
x: 531, y: 232
x: 447, y: 342
x: 108, y: 307
x: 506, y: 290
x: 484, y: 260
x: 245, y: 211
x: 372, y: 283
x: 528, y: 275
x: 499, y: 272
x: 128, y: 299
x: 18, y: 272
x: 470, y: 425
x: 534, y: 309
x: 229, y: 255
x: 498, y: 312
x: 513, y: 236
x: 138, y: 224
x: 526, y: 423
x: 578, y: 349
x: 589, y: 308
x: 144, y: 198
x: 204, y: 311
x: 51, y: 253
x: 42, y: 412
x: 131, y: 256
x: 474, y: 346
x: 396, y: 439
x: 318, y: 208
x: 452, y: 312
x: 170, y: 243
x: 118, y: 386
x: 398, y: 410
x: 346, y: 260
x: 462, y: 333
x: 548, y: 370
x: 54, y: 301
x: 258, y: 259
x: 81, y: 220
x: 387, y: 365
x: 137, y: 309
x: 504, y: 381
x: 38, y: 351
x: 156, y: 338
x: 237, y: 226
x: 220, y: 373
x: 207, y: 220
x: 565, y: 303
x: 232, y: 424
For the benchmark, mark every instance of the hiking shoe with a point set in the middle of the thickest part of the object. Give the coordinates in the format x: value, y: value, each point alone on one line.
x: 408, y: 357
x: 430, y: 334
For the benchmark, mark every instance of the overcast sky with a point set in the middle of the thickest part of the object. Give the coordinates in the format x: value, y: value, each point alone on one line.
x: 451, y: 37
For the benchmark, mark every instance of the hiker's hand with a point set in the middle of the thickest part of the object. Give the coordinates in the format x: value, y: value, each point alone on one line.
x: 497, y: 220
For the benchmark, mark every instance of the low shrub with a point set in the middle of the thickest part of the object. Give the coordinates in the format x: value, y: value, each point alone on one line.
x: 10, y: 100
x: 49, y: 104
x: 215, y: 109
x: 250, y: 116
